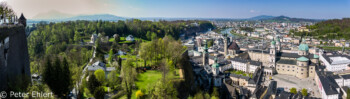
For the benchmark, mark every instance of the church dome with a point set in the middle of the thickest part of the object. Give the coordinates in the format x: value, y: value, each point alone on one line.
x: 303, y: 47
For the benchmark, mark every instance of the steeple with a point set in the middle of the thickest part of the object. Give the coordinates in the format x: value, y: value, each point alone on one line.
x: 225, y: 45
x: 22, y: 20
x: 205, y: 54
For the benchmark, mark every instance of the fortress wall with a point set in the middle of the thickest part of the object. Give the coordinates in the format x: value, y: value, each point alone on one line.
x: 17, y: 56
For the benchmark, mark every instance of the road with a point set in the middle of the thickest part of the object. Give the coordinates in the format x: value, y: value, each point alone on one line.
x: 75, y: 91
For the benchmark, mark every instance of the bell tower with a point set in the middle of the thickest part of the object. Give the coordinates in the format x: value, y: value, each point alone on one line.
x: 205, y: 54
x: 273, y: 53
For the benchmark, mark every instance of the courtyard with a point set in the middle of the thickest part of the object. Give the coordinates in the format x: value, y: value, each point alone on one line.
x: 286, y: 82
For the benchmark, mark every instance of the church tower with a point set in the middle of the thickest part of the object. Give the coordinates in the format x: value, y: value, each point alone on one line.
x: 22, y: 20
x: 225, y: 46
x: 215, y: 67
x: 273, y: 53
x: 205, y: 54
x: 278, y: 43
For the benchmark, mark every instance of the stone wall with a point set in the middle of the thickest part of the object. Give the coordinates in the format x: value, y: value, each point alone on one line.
x: 17, y: 69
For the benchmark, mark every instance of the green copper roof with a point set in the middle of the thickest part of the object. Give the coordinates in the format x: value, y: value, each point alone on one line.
x: 273, y: 42
x: 303, y: 59
x: 215, y: 65
x: 303, y: 47
x: 316, y: 56
x: 278, y: 39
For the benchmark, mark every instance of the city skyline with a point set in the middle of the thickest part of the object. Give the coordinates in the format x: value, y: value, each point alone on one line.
x: 314, y: 9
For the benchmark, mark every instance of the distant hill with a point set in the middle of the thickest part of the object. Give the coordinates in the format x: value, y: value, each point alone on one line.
x: 281, y: 19
x: 288, y: 19
x: 261, y: 17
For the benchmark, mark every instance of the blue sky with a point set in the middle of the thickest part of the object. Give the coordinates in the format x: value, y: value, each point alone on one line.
x: 317, y: 9
x: 235, y: 8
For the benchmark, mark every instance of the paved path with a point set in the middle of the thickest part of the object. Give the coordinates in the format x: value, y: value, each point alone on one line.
x: 287, y: 82
x: 75, y: 91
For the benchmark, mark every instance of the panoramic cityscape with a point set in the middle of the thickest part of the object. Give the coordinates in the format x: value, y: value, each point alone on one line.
x: 175, y: 49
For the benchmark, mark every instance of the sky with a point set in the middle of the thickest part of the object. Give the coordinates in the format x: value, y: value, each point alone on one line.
x: 316, y: 9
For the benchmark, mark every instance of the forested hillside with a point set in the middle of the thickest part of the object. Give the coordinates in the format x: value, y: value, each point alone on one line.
x: 331, y: 29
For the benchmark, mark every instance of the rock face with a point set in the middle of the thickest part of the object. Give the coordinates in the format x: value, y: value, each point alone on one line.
x: 14, y: 58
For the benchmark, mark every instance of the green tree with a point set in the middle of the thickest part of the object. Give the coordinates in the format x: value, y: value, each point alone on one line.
x: 67, y: 77
x: 149, y: 35
x: 117, y: 38
x: 58, y: 77
x: 100, y: 75
x: 113, y: 79
x: 210, y: 43
x: 93, y: 83
x: 293, y: 90
x: 304, y: 92
x: 154, y: 36
x: 77, y: 36
x: 129, y: 75
x: 99, y: 93
x: 110, y: 56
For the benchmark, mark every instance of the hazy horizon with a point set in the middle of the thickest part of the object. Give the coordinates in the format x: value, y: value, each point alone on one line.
x: 312, y: 9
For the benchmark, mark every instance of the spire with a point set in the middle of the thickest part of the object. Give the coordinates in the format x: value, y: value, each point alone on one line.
x: 273, y: 42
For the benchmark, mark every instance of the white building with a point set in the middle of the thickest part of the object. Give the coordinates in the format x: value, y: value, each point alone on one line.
x: 335, y: 62
x: 327, y: 86
x: 130, y: 38
x: 342, y: 80
x: 247, y: 66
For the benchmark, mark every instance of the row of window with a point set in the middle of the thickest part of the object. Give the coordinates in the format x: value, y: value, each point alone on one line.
x: 292, y: 70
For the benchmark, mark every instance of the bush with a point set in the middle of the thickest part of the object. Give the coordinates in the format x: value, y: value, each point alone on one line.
x: 100, y: 75
x: 304, y: 92
x: 293, y: 90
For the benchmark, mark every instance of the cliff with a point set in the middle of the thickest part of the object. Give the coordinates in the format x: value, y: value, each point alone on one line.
x: 14, y: 58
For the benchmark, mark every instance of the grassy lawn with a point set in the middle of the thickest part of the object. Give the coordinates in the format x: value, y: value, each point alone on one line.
x: 149, y: 78
x: 239, y: 73
x: 111, y: 39
x: 334, y: 48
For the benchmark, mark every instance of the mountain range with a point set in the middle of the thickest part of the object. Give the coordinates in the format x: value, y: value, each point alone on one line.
x: 55, y: 16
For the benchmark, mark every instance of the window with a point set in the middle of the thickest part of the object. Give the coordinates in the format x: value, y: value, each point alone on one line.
x: 288, y: 67
x: 283, y: 69
x: 282, y: 66
x: 292, y: 66
x: 302, y: 69
x: 293, y: 70
x: 310, y: 71
x: 310, y: 67
x: 301, y: 73
x: 278, y: 69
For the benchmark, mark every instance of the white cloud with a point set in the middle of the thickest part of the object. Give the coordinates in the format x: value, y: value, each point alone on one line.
x: 252, y: 11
